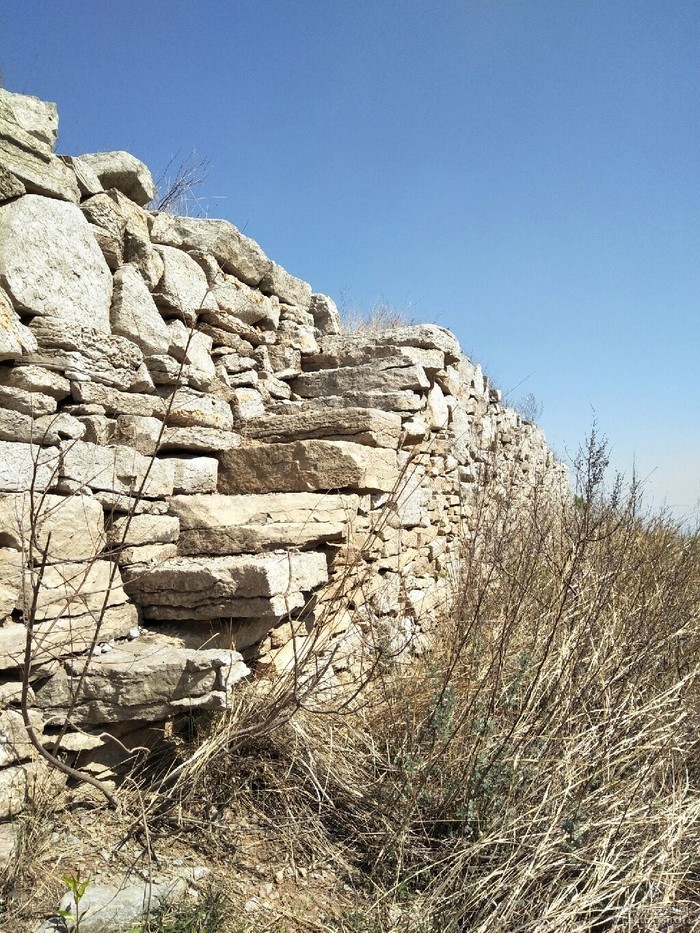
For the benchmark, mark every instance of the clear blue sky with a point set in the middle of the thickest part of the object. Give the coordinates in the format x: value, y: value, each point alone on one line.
x: 524, y: 172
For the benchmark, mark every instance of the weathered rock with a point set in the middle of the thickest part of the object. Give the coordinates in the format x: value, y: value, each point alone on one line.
x: 305, y: 466
x: 15, y: 426
x: 11, y: 576
x: 195, y: 474
x: 220, y: 586
x: 83, y: 353
x: 115, y: 402
x: 235, y: 252
x: 404, y: 401
x: 35, y: 379
x: 183, y: 289
x: 293, y: 291
x: 118, y: 909
x: 22, y: 783
x: 122, y: 171
x: 147, y: 435
x: 326, y: 315
x: 352, y: 353
x: 24, y: 466
x: 362, y: 425
x: 10, y: 185
x: 110, y: 246
x: 143, y: 529
x: 379, y: 376
x: 50, y: 264
x: 424, y: 336
x: 15, y: 744
x: 27, y: 135
x: 148, y: 679
x: 71, y: 589
x: 116, y: 469
x: 217, y: 524
x: 246, y: 403
x: 438, y: 408
x: 33, y: 404
x: 134, y: 313
x: 86, y: 177
x: 236, y: 302
x: 15, y: 339
x: 103, y: 211
x: 298, y: 336
x: 189, y: 409
x: 62, y: 425
x: 62, y: 528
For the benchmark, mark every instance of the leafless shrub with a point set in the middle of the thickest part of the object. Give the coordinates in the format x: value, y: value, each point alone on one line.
x: 538, y: 770
x: 179, y: 188
x: 380, y: 317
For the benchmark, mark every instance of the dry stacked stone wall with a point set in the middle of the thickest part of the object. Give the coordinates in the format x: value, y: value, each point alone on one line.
x: 200, y: 474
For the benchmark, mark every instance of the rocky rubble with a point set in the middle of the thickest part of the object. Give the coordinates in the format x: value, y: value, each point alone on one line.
x: 200, y: 475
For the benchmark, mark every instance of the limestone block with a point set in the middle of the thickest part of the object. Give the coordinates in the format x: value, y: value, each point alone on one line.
x: 143, y: 529
x: 195, y: 474
x: 423, y: 336
x: 366, y: 378
x: 116, y: 469
x: 109, y: 908
x: 38, y: 119
x: 326, y: 315
x: 11, y: 576
x: 35, y: 379
x: 33, y: 404
x: 146, y: 554
x: 15, y: 744
x: 134, y: 313
x: 143, y: 679
x: 15, y: 426
x: 293, y: 291
x: 339, y: 352
x: 143, y: 434
x: 235, y: 252
x: 242, y: 340
x: 237, y: 301
x: 284, y: 362
x: 84, y: 353
x: 438, y: 409
x: 71, y: 589
x: 405, y: 401
x: 190, y: 409
x: 86, y: 177
x: 27, y: 135
x: 306, y: 466
x: 183, y: 289
x: 122, y: 171
x: 218, y: 524
x: 103, y: 211
x: 215, y: 587
x: 273, y: 388
x: 373, y: 427
x: 15, y: 339
x: 246, y: 403
x: 111, y: 247
x: 20, y: 783
x: 298, y: 336
x: 200, y: 368
x: 115, y: 402
x: 10, y: 185
x: 167, y: 371
x: 25, y: 466
x: 51, y: 265
x: 62, y: 528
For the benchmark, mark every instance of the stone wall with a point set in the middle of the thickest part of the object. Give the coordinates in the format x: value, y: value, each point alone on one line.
x: 200, y: 474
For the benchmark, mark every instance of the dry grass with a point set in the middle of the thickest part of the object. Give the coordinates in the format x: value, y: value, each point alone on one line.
x: 382, y: 316
x: 538, y: 771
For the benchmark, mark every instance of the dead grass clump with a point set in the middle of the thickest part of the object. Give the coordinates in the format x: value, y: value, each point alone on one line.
x: 538, y: 770
x: 381, y: 316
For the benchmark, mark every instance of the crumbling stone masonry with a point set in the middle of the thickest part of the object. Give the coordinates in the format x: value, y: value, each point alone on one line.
x: 198, y: 469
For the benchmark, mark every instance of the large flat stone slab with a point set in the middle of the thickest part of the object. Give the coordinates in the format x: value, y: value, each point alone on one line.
x: 218, y: 524
x: 307, y: 466
x: 365, y: 378
x: 244, y: 586
x: 62, y: 527
x: 26, y: 466
x: 122, y: 171
x: 372, y: 427
x: 148, y: 678
x: 116, y: 469
x: 425, y: 336
x: 50, y: 263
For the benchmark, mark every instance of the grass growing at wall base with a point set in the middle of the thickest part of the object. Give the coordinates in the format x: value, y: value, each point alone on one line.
x: 539, y: 770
